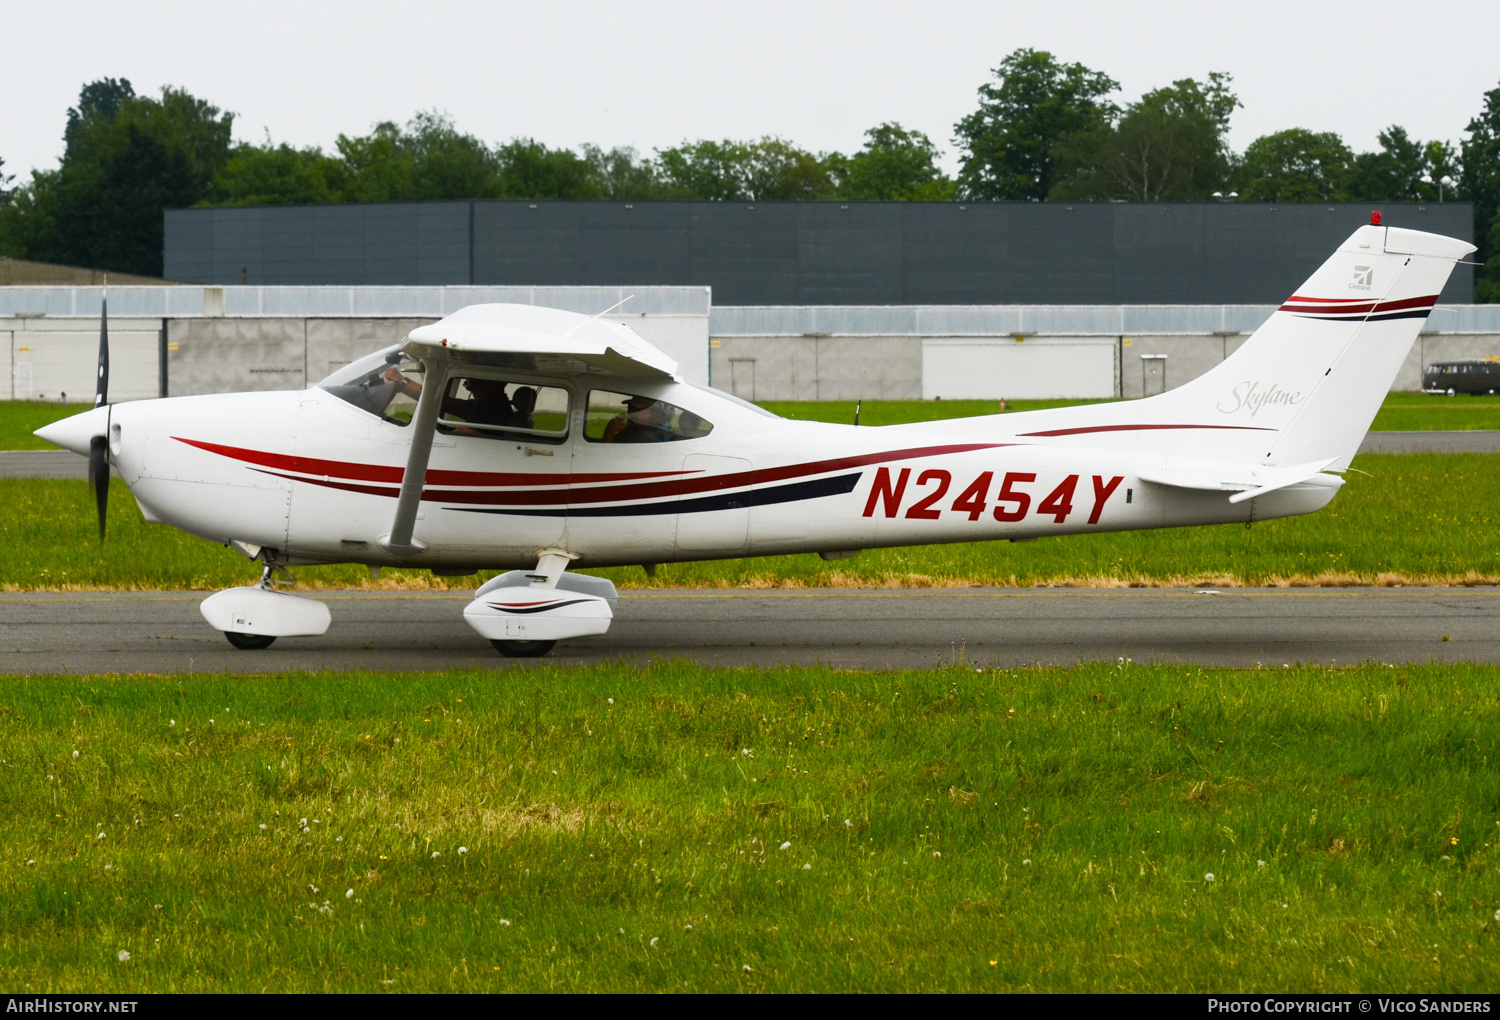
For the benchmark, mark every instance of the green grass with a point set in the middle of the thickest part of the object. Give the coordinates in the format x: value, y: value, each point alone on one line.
x: 1421, y: 412
x: 1401, y: 412
x: 620, y: 829
x: 1421, y: 518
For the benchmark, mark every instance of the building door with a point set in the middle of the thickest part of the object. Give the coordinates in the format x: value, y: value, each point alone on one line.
x: 1153, y: 374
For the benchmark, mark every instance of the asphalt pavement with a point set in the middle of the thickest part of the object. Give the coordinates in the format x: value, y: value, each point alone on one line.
x: 162, y: 632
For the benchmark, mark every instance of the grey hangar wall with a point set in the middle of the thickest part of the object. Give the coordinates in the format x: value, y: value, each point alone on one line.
x: 187, y: 340
x: 801, y: 253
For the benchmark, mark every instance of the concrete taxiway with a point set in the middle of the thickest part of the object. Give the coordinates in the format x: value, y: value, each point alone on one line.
x: 162, y: 632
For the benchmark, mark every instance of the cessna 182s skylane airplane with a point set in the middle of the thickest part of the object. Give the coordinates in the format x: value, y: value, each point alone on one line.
x: 534, y: 440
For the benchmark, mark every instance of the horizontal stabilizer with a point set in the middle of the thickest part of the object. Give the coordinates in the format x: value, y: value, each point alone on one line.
x: 1246, y: 481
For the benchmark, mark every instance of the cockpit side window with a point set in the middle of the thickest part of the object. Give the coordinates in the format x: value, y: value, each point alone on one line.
x: 497, y: 409
x: 631, y: 418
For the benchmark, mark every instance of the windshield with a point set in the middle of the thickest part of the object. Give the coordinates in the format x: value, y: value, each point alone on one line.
x: 386, y: 383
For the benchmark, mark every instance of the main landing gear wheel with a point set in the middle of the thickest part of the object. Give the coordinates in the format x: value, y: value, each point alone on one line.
x: 521, y: 649
x: 249, y: 641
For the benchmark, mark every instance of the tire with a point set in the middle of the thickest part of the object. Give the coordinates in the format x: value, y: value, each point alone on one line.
x: 522, y: 649
x: 249, y: 642
x: 1452, y: 392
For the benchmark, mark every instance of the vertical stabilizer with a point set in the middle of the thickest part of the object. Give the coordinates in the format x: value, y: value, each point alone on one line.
x: 1306, y: 386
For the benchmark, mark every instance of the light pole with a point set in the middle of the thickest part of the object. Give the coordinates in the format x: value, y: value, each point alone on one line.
x: 1441, y: 182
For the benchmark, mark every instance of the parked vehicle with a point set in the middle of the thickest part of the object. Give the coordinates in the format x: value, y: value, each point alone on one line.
x: 1452, y: 377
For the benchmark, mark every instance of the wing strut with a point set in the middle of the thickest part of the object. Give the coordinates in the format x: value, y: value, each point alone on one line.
x: 423, y: 425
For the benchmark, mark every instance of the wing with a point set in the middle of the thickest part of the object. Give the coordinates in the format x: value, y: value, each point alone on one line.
x: 507, y: 336
x: 545, y: 339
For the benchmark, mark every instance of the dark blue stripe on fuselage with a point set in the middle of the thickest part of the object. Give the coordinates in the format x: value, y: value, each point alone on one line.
x: 767, y: 496
x: 1415, y: 313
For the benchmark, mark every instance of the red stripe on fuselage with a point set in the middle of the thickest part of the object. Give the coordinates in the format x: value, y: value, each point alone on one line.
x: 652, y: 490
x: 393, y: 475
x: 1139, y: 428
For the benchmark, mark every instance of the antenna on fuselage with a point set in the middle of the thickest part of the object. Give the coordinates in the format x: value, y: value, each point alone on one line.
x: 573, y: 329
x: 617, y: 304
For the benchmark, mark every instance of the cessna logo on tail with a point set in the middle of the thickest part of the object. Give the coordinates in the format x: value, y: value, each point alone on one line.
x: 1364, y: 278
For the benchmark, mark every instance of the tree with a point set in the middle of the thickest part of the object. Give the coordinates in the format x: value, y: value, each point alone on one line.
x: 1480, y: 181
x: 1394, y: 174
x: 767, y: 170
x: 127, y: 158
x: 1296, y: 165
x: 528, y: 169
x: 895, y: 165
x: 277, y: 175
x: 1010, y: 143
x: 714, y: 171
x: 620, y: 175
x: 1168, y: 146
x: 98, y: 100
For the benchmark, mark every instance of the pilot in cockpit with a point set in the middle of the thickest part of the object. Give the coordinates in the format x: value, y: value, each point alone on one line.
x: 486, y: 404
x: 644, y: 421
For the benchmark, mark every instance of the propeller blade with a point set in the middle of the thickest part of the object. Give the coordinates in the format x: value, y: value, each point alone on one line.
x: 101, y: 389
x: 99, y: 476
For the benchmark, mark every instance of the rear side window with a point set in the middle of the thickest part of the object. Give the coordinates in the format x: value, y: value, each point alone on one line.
x: 630, y: 418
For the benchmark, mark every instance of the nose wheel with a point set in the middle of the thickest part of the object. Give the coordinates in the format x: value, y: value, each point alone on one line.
x: 249, y: 642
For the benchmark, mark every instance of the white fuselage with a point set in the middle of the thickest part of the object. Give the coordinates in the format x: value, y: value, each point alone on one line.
x: 315, y: 479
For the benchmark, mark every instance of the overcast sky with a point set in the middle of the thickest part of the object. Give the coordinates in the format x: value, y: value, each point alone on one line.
x: 651, y: 73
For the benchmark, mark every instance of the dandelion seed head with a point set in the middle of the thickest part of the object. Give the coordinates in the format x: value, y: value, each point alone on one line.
x: 807, y: 867
x: 436, y: 854
x: 124, y: 955
x: 611, y: 701
x: 171, y: 722
x: 75, y: 754
x: 463, y: 849
x: 506, y: 921
x: 937, y: 853
x: 787, y: 845
x: 348, y: 894
x: 1208, y: 877
x: 1027, y: 861
x: 654, y: 941
x: 262, y: 826
x: 747, y: 968
x: 1260, y: 864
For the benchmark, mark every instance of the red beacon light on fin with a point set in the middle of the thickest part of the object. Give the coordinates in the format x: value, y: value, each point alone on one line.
x: 1375, y: 218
